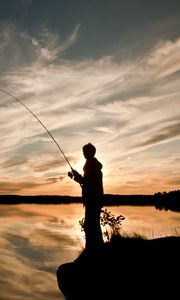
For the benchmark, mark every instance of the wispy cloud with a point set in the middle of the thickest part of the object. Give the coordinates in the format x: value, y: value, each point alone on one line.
x: 165, y: 134
x: 115, y: 104
x: 49, y: 45
x: 165, y: 58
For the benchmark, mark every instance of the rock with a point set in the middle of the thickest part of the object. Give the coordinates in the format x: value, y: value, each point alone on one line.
x: 125, y: 268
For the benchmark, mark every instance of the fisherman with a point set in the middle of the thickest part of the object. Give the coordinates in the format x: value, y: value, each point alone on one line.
x: 92, y: 196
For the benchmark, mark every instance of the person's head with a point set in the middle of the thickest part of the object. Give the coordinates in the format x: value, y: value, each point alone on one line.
x: 89, y: 150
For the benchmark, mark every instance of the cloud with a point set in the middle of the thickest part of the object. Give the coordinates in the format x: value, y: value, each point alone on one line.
x: 165, y: 134
x: 164, y: 58
x: 117, y: 104
x: 45, y: 166
x: 18, y: 48
x: 50, y: 46
x: 14, y: 162
x: 16, y: 186
x: 19, y: 185
x: 175, y: 181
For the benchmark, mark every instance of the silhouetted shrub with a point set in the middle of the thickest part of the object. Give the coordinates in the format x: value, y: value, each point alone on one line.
x: 110, y: 223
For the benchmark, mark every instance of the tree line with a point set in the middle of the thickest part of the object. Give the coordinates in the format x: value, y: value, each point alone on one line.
x: 161, y: 200
x: 168, y: 201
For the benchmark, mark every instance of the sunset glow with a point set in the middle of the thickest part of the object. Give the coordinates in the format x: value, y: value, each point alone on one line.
x: 95, y: 73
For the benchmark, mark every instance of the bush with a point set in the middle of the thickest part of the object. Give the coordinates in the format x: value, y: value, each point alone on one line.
x: 111, y: 224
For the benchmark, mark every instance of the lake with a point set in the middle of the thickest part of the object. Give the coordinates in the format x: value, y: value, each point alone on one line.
x: 35, y: 239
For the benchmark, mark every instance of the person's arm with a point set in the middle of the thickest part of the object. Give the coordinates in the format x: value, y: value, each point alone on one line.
x: 76, y: 176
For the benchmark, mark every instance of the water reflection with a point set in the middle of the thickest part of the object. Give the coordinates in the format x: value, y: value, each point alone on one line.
x: 36, y: 239
x: 148, y: 221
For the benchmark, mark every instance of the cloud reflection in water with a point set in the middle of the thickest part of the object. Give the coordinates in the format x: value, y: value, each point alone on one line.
x: 34, y: 241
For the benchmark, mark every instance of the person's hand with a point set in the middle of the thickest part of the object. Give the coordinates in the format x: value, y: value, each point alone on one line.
x: 70, y: 174
x: 75, y: 173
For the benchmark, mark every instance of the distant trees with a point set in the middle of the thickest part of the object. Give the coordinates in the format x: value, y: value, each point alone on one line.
x: 168, y: 200
x: 161, y: 200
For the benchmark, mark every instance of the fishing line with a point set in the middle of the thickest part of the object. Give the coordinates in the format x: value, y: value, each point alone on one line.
x: 15, y: 98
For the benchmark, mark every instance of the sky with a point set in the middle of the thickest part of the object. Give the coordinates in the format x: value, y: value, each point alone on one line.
x: 104, y: 72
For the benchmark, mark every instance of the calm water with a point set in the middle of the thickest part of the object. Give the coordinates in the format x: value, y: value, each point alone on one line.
x: 36, y: 239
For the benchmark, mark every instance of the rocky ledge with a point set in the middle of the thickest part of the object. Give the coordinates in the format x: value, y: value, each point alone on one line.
x: 126, y: 268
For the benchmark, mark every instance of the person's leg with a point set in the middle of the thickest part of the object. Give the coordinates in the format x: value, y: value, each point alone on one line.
x: 92, y: 228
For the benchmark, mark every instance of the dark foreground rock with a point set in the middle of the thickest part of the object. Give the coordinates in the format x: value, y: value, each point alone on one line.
x: 126, y: 268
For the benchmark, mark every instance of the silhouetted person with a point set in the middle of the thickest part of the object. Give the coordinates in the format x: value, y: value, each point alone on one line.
x: 92, y: 195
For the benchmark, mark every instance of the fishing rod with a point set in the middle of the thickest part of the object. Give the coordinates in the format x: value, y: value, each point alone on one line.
x: 15, y: 98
